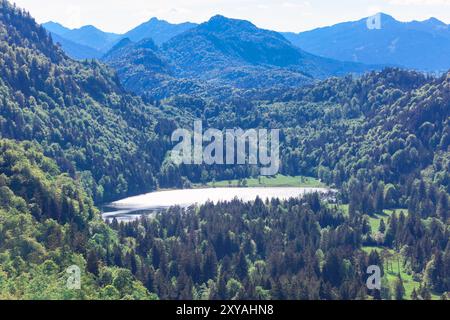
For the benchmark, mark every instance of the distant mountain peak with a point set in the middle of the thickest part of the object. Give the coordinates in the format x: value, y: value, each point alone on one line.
x: 154, y: 21
x: 220, y: 19
x: 89, y: 28
x: 434, y: 21
x: 55, y: 27
x: 220, y: 22
x: 386, y: 16
x: 159, y: 30
x: 53, y: 23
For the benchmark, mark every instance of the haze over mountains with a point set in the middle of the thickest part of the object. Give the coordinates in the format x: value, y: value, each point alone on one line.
x: 87, y: 37
x: 93, y: 43
x: 420, y: 45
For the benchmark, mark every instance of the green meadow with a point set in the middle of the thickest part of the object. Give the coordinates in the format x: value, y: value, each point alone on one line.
x: 272, y: 182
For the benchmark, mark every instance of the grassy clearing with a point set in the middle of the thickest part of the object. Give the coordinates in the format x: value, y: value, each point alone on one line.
x: 345, y: 209
x: 393, y: 267
x: 375, y: 220
x: 265, y: 182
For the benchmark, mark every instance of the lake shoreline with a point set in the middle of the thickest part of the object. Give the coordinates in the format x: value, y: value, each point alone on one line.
x: 161, y: 200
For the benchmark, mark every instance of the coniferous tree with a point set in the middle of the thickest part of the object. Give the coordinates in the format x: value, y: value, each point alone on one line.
x: 93, y: 262
x: 399, y: 289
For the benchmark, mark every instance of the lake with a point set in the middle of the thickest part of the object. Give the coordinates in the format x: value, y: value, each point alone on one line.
x: 132, y: 208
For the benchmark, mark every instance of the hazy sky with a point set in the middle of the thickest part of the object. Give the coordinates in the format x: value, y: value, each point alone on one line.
x: 281, y: 15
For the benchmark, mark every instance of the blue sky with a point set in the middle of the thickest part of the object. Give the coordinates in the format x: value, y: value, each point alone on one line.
x: 281, y: 15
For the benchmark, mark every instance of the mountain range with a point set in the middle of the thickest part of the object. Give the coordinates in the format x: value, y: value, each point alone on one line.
x: 222, y: 52
x: 420, y: 45
x: 90, y: 42
x: 87, y: 37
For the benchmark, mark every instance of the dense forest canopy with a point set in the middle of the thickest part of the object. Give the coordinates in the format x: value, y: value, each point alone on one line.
x: 47, y: 224
x: 72, y: 138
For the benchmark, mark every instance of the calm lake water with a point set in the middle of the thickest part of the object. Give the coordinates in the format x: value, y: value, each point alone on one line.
x: 132, y: 208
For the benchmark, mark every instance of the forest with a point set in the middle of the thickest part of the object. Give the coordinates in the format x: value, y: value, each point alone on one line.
x: 73, y: 138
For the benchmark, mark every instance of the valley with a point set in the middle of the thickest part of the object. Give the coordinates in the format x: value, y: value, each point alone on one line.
x: 78, y: 134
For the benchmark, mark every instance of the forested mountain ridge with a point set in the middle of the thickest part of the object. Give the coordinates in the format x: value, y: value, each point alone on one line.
x: 219, y: 53
x: 77, y: 111
x: 48, y: 221
x: 235, y: 42
x: 396, y: 131
x: 140, y: 65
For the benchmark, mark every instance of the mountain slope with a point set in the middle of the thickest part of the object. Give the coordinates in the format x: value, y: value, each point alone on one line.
x: 223, y: 43
x: 77, y: 111
x: 75, y: 50
x: 84, y: 43
x: 158, y: 30
x: 139, y: 65
x: 418, y: 45
x: 48, y: 222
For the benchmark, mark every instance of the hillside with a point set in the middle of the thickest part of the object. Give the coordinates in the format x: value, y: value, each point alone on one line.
x: 48, y: 224
x: 420, y: 45
x: 77, y: 111
x: 140, y: 66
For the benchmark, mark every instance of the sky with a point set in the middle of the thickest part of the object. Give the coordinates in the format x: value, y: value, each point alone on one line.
x: 120, y: 16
